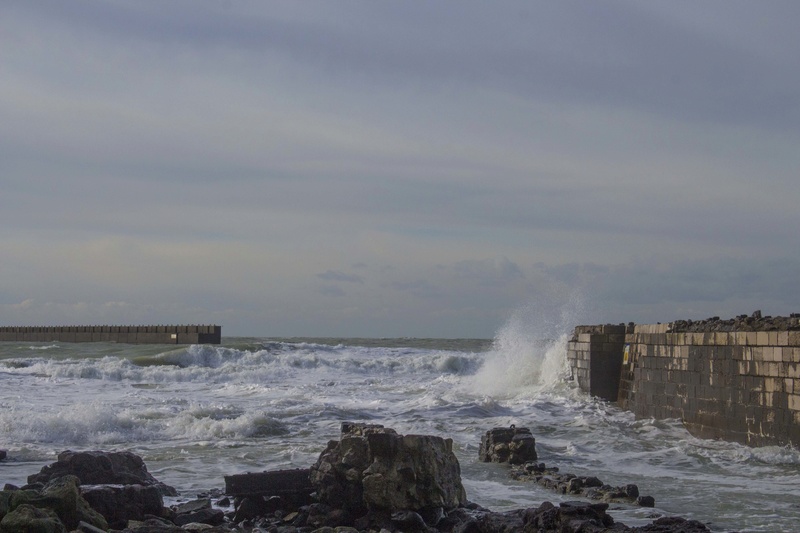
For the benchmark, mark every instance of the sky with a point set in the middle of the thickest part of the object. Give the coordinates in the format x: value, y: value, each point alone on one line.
x: 395, y: 168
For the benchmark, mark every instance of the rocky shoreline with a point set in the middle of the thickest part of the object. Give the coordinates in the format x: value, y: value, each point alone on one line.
x: 370, y: 480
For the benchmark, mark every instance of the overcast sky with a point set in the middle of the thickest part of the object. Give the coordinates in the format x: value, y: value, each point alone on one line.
x: 397, y: 168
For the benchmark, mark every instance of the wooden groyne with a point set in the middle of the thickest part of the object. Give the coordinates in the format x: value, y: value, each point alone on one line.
x: 736, y: 380
x: 122, y: 334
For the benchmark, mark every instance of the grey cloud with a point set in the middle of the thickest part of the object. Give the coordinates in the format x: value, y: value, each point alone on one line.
x: 332, y: 290
x: 420, y: 287
x: 489, y: 271
x: 332, y: 275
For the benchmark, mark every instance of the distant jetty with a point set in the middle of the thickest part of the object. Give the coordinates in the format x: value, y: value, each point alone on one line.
x: 122, y: 334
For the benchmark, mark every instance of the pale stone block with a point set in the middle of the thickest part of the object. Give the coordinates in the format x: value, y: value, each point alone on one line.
x: 683, y: 351
x: 794, y: 338
x: 793, y: 370
x: 757, y: 353
x: 585, y: 337
x: 741, y: 338
x: 772, y: 337
x: 783, y: 338
x: 752, y: 338
x: 770, y: 385
x: 721, y: 338
x: 762, y: 338
x: 766, y: 400
x: 794, y: 404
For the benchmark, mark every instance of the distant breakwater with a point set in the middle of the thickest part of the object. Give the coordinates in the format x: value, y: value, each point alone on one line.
x: 187, y: 334
x: 735, y: 379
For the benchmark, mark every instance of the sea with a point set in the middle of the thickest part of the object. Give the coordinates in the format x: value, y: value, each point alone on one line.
x: 197, y: 413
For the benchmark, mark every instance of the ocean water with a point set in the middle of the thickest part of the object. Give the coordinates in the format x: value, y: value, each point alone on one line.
x: 198, y: 413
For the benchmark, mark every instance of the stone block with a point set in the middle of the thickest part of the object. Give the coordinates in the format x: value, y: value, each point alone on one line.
x: 793, y: 402
x: 772, y: 338
x: 762, y: 338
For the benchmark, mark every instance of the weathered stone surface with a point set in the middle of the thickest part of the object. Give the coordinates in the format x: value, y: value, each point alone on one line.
x: 3, y: 454
x: 101, y: 468
x: 672, y: 524
x: 120, y: 503
x: 29, y: 519
x: 64, y: 497
x: 294, y: 486
x: 374, y: 468
x: 508, y: 445
x: 587, y: 486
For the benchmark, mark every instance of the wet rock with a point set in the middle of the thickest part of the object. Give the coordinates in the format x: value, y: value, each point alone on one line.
x: 63, y: 496
x: 198, y: 511
x: 292, y: 486
x: 374, y: 468
x: 646, y: 501
x: 589, y: 487
x: 29, y: 519
x: 101, y: 468
x: 511, y: 445
x: 121, y: 503
x: 3, y: 455
x: 672, y: 524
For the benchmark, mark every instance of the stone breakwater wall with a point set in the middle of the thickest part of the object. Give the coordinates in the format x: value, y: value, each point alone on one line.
x: 122, y: 334
x: 736, y: 380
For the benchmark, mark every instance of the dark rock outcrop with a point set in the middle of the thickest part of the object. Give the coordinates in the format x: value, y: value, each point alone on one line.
x: 120, y: 503
x: 511, y: 445
x: 60, y: 500
x: 27, y: 518
x: 589, y: 487
x: 101, y: 468
x: 373, y: 468
x: 397, y: 484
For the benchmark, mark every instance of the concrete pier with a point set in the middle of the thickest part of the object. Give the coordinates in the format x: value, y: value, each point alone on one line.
x: 193, y: 334
x: 739, y: 383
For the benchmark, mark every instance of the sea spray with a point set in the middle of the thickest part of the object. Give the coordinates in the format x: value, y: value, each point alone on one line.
x: 529, y: 351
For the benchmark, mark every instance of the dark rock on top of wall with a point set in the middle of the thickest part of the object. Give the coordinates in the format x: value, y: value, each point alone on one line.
x: 754, y: 322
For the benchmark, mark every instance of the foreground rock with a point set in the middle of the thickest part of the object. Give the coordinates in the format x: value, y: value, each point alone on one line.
x: 587, y: 486
x: 102, y: 468
x: 58, y: 506
x: 517, y: 447
x: 372, y: 468
x: 508, y: 445
x: 371, y: 480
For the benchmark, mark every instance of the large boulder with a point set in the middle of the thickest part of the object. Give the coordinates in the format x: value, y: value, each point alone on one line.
x: 101, y: 468
x: 511, y: 445
x: 59, y: 499
x: 29, y: 519
x: 372, y: 468
x: 120, y: 503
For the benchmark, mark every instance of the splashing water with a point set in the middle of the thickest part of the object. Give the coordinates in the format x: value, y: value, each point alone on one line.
x: 529, y: 352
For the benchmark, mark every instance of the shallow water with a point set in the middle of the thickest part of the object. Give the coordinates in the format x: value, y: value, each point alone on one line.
x: 198, y: 413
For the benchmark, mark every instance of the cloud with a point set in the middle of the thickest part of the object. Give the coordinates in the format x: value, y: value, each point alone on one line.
x: 332, y: 275
x: 203, y: 158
